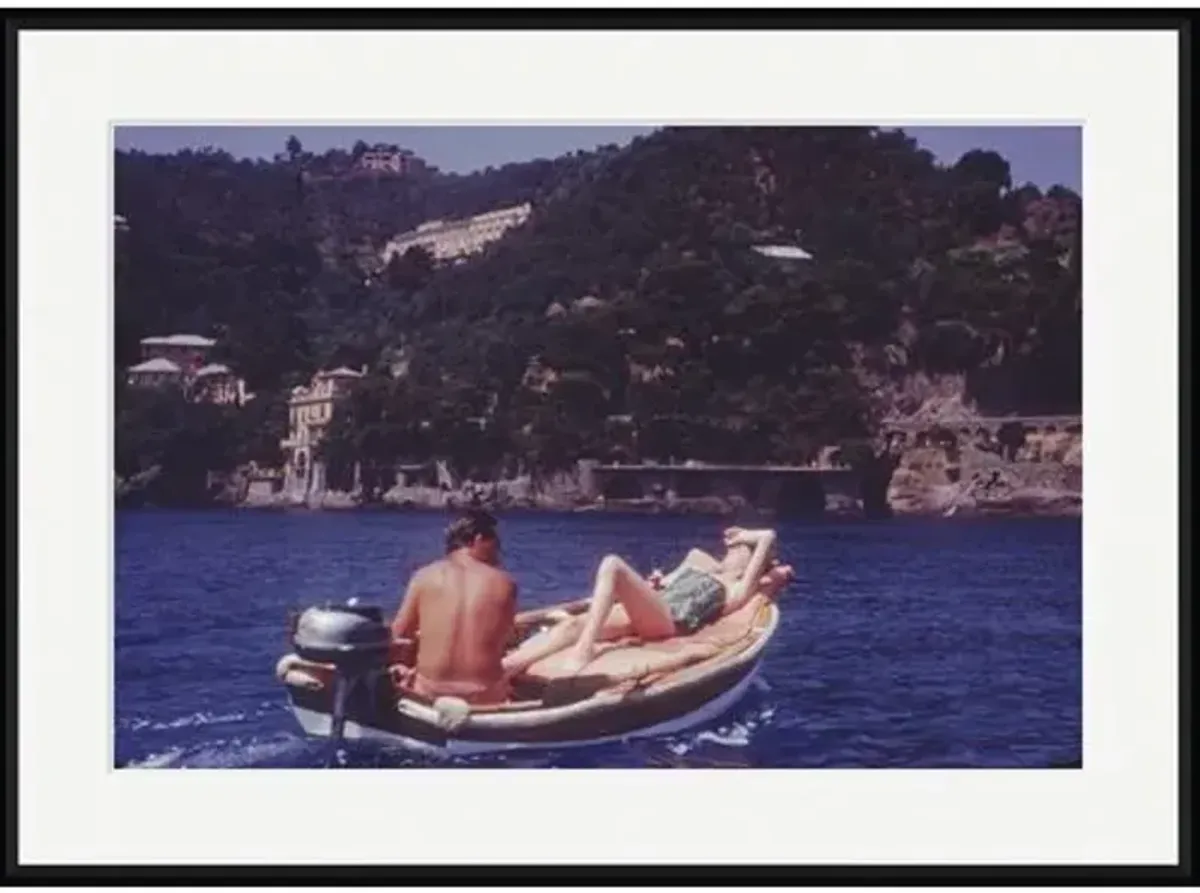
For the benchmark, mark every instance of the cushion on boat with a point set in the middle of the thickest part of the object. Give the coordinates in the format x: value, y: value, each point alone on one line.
x: 631, y: 659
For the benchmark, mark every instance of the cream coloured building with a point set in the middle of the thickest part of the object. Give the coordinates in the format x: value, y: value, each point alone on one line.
x: 386, y: 161
x: 310, y: 410
x: 452, y: 239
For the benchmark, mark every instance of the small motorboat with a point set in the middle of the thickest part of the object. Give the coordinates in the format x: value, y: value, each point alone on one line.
x: 342, y: 683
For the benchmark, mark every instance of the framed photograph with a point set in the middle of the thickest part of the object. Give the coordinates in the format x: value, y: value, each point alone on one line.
x: 436, y: 430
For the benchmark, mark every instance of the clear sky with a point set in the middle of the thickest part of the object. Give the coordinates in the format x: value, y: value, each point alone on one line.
x: 1045, y: 155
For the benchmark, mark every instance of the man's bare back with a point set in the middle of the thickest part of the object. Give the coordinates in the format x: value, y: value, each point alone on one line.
x: 461, y: 609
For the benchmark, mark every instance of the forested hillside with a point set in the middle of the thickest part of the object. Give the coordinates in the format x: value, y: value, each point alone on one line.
x: 632, y: 298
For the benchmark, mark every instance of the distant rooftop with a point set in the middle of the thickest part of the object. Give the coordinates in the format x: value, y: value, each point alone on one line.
x: 213, y: 369
x: 783, y: 252
x: 499, y: 214
x: 178, y: 341
x: 158, y: 364
x: 341, y: 372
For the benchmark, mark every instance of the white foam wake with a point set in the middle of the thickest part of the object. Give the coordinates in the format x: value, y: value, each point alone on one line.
x: 737, y: 733
x: 234, y: 753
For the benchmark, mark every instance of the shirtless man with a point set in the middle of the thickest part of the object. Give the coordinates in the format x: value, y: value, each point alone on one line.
x: 463, y: 608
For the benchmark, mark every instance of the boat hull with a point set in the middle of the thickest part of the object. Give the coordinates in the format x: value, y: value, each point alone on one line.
x: 316, y: 720
x: 632, y: 690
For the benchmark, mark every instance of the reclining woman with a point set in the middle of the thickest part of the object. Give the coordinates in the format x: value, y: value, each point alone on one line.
x: 701, y: 590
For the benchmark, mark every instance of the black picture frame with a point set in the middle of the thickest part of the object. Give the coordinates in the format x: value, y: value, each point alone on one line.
x: 1183, y: 872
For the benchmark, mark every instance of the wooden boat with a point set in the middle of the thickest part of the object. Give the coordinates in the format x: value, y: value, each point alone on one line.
x: 630, y: 689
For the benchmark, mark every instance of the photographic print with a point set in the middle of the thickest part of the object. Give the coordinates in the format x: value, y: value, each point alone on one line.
x: 611, y: 447
x: 600, y: 448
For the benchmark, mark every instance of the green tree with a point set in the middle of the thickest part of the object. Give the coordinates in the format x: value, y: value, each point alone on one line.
x: 716, y: 351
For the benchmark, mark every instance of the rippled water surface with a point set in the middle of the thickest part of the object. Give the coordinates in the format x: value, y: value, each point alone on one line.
x: 902, y: 643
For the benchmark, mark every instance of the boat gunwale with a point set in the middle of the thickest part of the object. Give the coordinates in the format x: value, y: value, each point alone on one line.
x: 516, y: 715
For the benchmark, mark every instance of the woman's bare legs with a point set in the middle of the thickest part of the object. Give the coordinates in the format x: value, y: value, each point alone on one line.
x: 616, y: 582
x: 541, y: 646
x: 617, y: 621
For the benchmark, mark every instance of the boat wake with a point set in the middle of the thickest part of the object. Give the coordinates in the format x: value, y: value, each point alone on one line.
x: 283, y: 751
x: 729, y: 744
x: 737, y: 733
x: 226, y: 749
x: 726, y: 743
x: 201, y: 718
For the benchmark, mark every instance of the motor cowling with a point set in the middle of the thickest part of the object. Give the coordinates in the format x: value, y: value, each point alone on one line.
x: 354, y: 638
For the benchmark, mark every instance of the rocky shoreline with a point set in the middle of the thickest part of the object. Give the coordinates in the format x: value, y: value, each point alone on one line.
x: 1024, y: 504
x: 951, y: 478
x: 1041, y: 477
x: 915, y: 490
x: 1029, y: 503
x: 952, y: 502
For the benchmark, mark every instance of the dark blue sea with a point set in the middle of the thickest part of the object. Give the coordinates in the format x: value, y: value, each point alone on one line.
x: 903, y: 643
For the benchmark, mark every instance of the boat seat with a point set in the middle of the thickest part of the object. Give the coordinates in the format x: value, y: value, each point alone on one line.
x: 631, y: 659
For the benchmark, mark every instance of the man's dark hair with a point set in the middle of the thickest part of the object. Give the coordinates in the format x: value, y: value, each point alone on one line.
x: 463, y: 531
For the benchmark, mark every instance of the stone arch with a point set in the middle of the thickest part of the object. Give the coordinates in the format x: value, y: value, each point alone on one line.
x: 691, y: 485
x: 749, y: 487
x: 1011, y: 436
x: 621, y: 486
x: 944, y: 436
x: 899, y: 439
x: 800, y: 495
x: 949, y: 440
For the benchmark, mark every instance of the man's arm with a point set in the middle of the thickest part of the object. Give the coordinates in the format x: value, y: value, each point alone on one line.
x: 508, y: 612
x: 408, y: 617
x: 506, y: 622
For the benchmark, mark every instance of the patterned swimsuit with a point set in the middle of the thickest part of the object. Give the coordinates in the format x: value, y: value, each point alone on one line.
x: 693, y: 599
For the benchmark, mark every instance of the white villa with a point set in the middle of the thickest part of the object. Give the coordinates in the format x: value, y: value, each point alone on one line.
x: 453, y: 239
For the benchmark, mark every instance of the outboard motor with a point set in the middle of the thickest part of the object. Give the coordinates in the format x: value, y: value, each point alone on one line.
x: 353, y: 638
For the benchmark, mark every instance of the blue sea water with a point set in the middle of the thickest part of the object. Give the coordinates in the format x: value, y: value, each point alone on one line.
x: 902, y: 643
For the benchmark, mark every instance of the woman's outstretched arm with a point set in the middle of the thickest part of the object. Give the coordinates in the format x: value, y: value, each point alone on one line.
x: 763, y: 543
